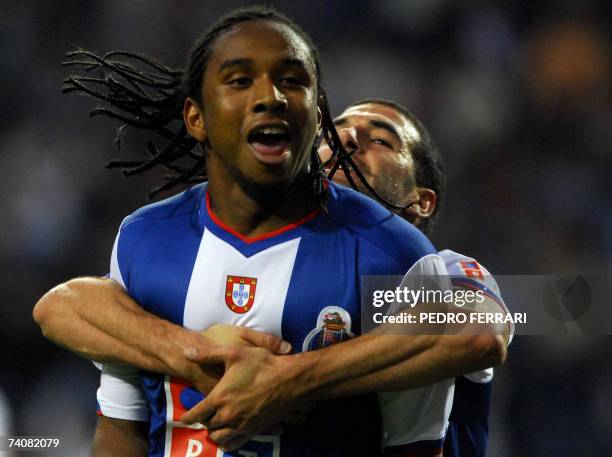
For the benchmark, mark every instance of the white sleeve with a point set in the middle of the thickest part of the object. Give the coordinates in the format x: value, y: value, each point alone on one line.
x: 466, y: 272
x: 429, y: 272
x: 120, y: 394
x: 419, y: 417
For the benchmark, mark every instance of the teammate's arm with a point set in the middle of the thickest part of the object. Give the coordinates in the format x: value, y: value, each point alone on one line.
x: 117, y: 437
x: 97, y: 319
x: 420, y: 360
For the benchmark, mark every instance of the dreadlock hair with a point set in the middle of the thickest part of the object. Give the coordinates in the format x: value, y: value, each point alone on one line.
x: 144, y: 94
x: 429, y: 167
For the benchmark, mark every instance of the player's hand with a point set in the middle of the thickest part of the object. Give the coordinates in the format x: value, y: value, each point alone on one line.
x: 258, y: 391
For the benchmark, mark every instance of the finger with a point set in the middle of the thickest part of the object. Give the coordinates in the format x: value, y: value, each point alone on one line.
x: 200, y: 412
x: 214, y: 422
x: 223, y: 435
x: 294, y: 418
x: 266, y: 340
x: 206, y: 354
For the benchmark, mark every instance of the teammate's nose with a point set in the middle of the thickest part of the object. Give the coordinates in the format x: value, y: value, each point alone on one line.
x: 268, y: 98
x: 348, y: 137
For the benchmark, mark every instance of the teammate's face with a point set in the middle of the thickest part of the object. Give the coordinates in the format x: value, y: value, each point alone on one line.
x: 259, y: 108
x: 381, y: 138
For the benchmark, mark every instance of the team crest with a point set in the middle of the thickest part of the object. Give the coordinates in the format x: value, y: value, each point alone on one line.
x: 333, y: 326
x: 240, y: 293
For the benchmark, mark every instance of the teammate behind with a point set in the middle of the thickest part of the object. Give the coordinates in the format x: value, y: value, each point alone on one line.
x: 398, y: 158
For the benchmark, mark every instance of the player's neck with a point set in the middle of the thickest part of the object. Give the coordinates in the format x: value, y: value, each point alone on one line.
x: 251, y: 216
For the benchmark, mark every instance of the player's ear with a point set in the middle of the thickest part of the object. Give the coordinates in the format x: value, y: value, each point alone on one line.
x: 193, y: 117
x: 424, y: 204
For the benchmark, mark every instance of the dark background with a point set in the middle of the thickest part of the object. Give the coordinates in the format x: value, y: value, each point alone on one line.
x: 517, y: 95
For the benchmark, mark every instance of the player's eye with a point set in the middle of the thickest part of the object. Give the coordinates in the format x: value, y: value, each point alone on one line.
x: 382, y: 142
x: 240, y: 81
x: 291, y: 81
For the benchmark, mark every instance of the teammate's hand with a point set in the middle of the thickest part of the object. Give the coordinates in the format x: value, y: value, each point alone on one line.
x: 204, y: 375
x: 228, y: 335
x: 258, y: 391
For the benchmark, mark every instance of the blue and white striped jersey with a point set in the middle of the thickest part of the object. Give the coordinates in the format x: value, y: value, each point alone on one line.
x: 301, y: 282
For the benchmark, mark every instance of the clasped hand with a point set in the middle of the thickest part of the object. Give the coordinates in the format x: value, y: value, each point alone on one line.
x: 259, y: 390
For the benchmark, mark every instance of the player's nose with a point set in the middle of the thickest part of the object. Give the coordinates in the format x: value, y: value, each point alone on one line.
x: 348, y: 137
x: 267, y: 97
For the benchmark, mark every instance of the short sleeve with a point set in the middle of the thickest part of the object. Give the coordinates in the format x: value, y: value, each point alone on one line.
x: 120, y: 395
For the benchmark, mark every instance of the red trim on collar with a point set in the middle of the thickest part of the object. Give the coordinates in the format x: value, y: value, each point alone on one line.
x: 264, y: 236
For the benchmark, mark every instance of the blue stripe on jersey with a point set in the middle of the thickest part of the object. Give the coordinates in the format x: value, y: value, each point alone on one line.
x: 162, y: 240
x: 468, y: 428
x: 153, y: 385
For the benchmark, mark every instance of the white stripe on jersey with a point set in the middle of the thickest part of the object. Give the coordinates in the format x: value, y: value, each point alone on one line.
x: 205, y: 303
x: 115, y: 271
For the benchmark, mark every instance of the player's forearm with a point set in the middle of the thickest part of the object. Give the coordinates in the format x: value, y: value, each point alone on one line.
x: 357, y: 365
x: 385, y: 361
x: 97, y: 319
x: 449, y: 356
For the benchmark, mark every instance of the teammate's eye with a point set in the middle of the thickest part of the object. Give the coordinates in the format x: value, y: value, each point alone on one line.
x: 382, y: 142
x: 291, y: 81
x: 241, y: 81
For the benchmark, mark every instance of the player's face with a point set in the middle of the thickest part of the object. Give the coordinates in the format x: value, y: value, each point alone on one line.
x: 260, y: 110
x: 381, y: 138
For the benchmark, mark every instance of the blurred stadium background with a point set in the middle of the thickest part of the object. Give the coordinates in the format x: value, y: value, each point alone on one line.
x: 517, y: 95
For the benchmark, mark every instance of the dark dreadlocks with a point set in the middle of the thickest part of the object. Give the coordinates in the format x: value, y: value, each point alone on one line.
x: 144, y: 94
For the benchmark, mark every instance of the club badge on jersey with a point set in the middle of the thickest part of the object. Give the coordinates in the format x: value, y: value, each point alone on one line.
x: 333, y: 326
x: 240, y: 293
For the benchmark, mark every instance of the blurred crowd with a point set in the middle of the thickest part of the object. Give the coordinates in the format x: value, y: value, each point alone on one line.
x: 517, y: 95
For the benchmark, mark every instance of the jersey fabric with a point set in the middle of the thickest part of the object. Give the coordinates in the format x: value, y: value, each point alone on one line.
x: 301, y: 282
x: 468, y: 428
x: 452, y: 415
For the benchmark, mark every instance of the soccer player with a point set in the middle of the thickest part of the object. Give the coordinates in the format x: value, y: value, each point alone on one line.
x: 397, y: 157
x: 252, y: 247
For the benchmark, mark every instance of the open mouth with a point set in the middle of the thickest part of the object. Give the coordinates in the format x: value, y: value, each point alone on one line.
x: 270, y: 141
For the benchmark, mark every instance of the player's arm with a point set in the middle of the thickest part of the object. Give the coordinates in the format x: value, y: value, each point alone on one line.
x: 405, y: 361
x: 97, y: 319
x: 118, y: 437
